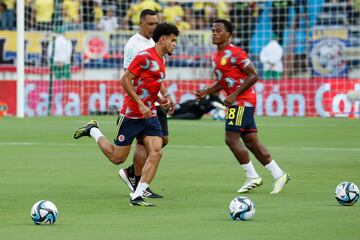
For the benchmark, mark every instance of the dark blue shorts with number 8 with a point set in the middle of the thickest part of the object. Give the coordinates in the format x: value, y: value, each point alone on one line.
x: 240, y: 119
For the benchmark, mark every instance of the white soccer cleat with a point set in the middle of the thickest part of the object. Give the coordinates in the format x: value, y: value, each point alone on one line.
x: 129, y: 181
x: 250, y: 184
x: 280, y: 183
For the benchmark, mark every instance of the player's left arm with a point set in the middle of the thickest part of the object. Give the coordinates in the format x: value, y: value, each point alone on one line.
x: 168, y: 102
x: 213, y: 88
x: 251, y: 79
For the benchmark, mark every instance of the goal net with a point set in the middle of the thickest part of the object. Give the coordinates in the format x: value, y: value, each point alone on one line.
x: 307, y: 53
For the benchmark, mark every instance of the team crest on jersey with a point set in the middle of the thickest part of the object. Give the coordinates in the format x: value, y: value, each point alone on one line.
x: 226, y: 56
x: 121, y: 138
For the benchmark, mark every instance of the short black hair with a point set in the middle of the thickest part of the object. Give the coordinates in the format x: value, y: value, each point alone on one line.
x: 228, y: 25
x: 147, y: 12
x: 164, y: 29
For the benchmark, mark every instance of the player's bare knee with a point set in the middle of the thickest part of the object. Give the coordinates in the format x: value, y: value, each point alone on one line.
x: 156, y: 155
x: 230, y: 141
x: 259, y: 148
x: 117, y: 160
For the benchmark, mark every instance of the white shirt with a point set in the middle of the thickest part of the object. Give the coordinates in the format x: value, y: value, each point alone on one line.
x: 271, y: 55
x: 108, y: 24
x: 134, y: 45
x: 63, y: 50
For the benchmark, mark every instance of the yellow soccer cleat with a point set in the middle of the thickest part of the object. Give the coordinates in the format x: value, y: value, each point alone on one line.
x: 280, y: 183
x: 85, y: 130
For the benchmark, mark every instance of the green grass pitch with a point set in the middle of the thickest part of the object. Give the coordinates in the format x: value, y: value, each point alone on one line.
x: 39, y: 159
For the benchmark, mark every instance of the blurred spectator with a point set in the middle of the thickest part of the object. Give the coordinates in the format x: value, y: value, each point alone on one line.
x: 353, y: 10
x: 204, y: 14
x: 222, y: 10
x: 61, y: 58
x: 109, y: 22
x: 198, y: 10
x: 172, y: 11
x: 8, y: 15
x: 2, y: 16
x: 181, y: 24
x: 99, y: 13
x: 279, y: 18
x: 133, y: 15
x: 121, y: 6
x: 242, y: 15
x: 72, y: 15
x: 43, y: 11
x: 29, y: 16
x: 271, y: 58
x: 189, y: 15
x: 88, y: 14
x: 210, y: 14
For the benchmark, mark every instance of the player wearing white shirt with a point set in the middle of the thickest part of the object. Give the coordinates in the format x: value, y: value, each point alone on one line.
x: 134, y: 45
x: 63, y: 50
x: 62, y: 55
x: 271, y: 57
x: 139, y: 42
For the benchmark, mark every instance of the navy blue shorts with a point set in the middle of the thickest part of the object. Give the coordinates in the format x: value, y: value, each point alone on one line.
x: 240, y: 119
x: 127, y: 129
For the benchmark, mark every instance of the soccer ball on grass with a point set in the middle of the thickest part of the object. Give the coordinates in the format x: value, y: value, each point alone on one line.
x: 241, y: 208
x: 44, y: 212
x: 347, y: 193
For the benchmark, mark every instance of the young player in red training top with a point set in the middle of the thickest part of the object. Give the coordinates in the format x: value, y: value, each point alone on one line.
x: 142, y: 82
x: 236, y: 75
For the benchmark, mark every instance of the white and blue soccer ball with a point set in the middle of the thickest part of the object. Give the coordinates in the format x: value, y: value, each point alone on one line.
x: 218, y: 114
x: 242, y: 208
x: 44, y: 212
x: 347, y: 193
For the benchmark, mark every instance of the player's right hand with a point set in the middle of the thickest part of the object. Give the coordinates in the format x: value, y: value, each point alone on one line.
x: 199, y: 94
x: 145, y: 111
x: 171, y: 108
x: 164, y: 102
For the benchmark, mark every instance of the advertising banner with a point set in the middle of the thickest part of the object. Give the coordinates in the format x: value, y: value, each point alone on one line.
x: 293, y: 97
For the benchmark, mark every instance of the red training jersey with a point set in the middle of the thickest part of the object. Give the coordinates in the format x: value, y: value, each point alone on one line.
x: 228, y: 67
x: 149, y: 70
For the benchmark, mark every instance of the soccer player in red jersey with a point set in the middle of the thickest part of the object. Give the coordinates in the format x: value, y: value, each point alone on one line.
x: 142, y: 82
x: 138, y: 42
x: 236, y: 75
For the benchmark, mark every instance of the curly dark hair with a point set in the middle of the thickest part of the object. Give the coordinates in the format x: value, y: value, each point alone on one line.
x: 164, y: 29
